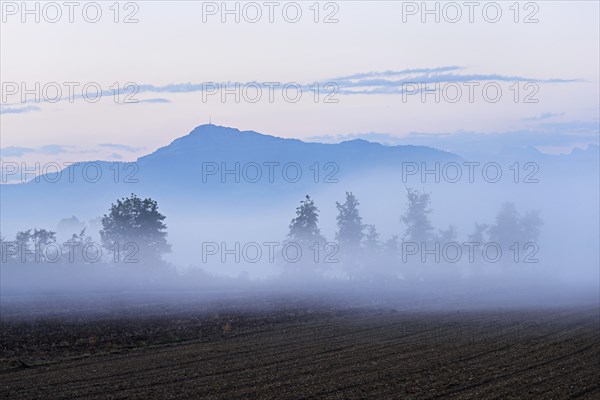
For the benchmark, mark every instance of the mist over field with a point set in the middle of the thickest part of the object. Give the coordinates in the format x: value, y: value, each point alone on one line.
x: 223, y: 209
x: 299, y: 200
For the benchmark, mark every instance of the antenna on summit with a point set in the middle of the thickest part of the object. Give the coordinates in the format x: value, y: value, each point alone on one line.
x: 209, y: 119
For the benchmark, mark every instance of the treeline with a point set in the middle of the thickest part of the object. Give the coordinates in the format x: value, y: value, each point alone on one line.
x: 510, y: 226
x: 363, y: 254
x: 134, y: 231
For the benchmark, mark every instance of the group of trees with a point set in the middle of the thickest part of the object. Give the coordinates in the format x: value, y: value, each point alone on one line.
x: 510, y: 225
x: 136, y: 227
x: 362, y: 252
x: 133, y: 230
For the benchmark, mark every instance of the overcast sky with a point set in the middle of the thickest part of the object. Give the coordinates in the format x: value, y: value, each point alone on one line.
x: 368, y: 54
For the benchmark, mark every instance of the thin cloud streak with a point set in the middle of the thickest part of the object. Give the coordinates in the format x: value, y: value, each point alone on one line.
x: 369, y: 83
x: 22, y: 110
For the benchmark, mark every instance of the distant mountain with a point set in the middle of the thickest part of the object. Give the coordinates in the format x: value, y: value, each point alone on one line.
x: 185, y: 159
x: 212, y: 164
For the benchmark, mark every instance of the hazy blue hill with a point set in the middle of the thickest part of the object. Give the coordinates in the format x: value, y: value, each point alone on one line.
x: 210, y: 142
x: 176, y: 172
x: 185, y: 164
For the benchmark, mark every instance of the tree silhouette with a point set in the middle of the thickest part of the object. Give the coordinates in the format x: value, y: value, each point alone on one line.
x: 513, y: 229
x: 40, y: 238
x: 70, y: 225
x: 416, y: 217
x: 304, y: 228
x: 511, y: 226
x: 447, y: 235
x: 478, y: 235
x: 8, y: 250
x: 507, y: 228
x: 136, y: 221
x: 22, y: 240
x: 372, y: 243
x: 349, y: 223
x: 531, y: 225
x: 75, y: 244
x: 391, y: 247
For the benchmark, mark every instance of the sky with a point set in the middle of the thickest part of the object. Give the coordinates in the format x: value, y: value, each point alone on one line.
x: 369, y: 60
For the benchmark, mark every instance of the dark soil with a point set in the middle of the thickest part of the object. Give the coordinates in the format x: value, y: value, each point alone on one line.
x: 292, y: 349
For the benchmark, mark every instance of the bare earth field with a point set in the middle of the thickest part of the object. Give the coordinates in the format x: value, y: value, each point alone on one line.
x: 287, y: 348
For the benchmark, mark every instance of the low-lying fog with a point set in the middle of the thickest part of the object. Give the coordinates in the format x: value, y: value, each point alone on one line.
x: 477, y: 243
